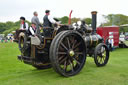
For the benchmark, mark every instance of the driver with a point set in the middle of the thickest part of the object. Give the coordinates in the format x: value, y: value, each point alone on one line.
x: 48, y: 21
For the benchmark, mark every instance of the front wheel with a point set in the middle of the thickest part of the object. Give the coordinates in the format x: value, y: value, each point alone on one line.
x: 101, y: 55
x: 68, y: 53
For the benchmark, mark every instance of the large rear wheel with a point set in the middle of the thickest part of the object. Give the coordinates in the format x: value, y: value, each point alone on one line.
x: 68, y: 53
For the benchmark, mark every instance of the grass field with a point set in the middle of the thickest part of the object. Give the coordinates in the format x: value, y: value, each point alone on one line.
x: 14, y: 72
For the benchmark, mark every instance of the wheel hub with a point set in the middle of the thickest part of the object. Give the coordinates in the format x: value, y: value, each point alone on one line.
x: 71, y: 53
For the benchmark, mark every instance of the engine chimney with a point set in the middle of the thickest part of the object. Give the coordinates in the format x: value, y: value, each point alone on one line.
x: 94, y: 21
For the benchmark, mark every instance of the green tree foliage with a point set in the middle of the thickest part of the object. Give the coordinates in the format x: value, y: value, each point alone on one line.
x: 116, y: 19
x: 9, y: 26
x: 64, y: 20
x: 2, y: 27
x: 88, y: 21
x: 74, y: 20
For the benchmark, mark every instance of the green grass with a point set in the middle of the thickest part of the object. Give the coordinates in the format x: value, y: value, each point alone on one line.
x: 15, y: 72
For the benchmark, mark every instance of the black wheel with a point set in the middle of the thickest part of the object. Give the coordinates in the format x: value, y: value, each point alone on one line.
x: 68, y: 53
x: 22, y: 43
x: 101, y: 55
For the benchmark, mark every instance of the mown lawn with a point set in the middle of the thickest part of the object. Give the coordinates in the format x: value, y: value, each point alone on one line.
x: 15, y: 72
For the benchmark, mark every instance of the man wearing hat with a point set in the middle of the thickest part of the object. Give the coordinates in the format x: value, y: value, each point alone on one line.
x: 23, y: 26
x: 48, y: 22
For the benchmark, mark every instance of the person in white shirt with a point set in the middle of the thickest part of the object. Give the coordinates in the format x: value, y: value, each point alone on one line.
x: 23, y: 26
x: 32, y: 29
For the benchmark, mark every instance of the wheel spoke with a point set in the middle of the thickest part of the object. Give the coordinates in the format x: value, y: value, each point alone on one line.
x: 63, y: 60
x: 68, y: 42
x: 100, y: 60
x: 64, y: 46
x: 77, y: 61
x: 65, y: 65
x: 60, y: 57
x: 63, y: 53
x: 104, y: 56
x: 72, y: 39
x: 73, y: 44
x: 61, y: 48
x: 77, y: 49
x: 71, y: 66
x: 77, y: 45
x: 79, y: 53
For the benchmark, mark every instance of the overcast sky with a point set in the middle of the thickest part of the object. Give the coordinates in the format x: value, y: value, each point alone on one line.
x: 11, y: 10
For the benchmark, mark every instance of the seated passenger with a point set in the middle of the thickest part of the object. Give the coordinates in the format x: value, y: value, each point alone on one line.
x: 32, y: 29
x: 23, y: 26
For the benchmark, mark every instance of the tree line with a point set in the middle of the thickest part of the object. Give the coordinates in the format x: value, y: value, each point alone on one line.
x: 10, y: 26
x: 115, y: 19
x: 111, y: 19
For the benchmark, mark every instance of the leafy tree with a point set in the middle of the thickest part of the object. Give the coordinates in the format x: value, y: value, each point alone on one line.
x: 88, y: 21
x: 2, y: 27
x: 74, y: 20
x: 116, y: 19
x: 64, y: 20
x: 9, y: 26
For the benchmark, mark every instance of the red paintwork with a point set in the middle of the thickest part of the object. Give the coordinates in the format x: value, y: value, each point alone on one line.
x: 104, y: 33
x: 69, y: 20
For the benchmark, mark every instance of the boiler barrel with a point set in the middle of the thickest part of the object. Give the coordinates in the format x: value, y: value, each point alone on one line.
x: 93, y: 40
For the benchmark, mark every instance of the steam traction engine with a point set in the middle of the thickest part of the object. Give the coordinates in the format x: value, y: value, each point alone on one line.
x: 65, y: 48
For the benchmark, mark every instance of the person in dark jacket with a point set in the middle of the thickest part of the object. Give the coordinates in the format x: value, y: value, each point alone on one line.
x: 48, y: 22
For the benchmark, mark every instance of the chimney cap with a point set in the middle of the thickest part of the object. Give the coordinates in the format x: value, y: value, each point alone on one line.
x: 94, y: 12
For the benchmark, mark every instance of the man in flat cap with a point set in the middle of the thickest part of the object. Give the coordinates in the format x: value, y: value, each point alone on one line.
x: 48, y: 22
